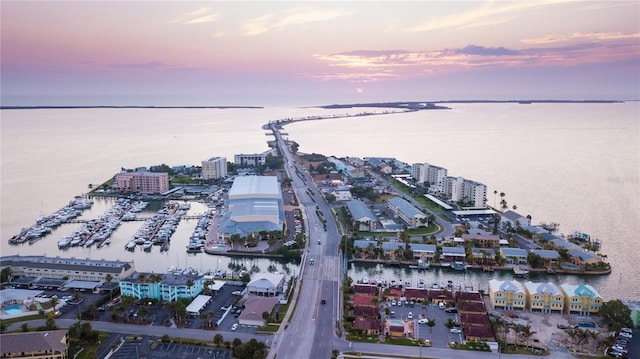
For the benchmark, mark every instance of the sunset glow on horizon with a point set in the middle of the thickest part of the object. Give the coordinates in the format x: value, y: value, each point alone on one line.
x: 316, y: 52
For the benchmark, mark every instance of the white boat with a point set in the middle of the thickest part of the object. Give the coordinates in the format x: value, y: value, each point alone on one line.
x: 76, y: 241
x: 420, y: 283
x: 365, y: 280
x: 130, y: 246
x: 520, y: 271
x: 435, y: 285
x: 64, y: 242
x: 407, y: 283
x: 392, y: 282
x: 147, y: 245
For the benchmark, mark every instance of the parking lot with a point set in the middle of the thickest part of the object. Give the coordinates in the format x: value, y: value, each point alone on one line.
x: 222, y: 302
x: 439, y: 335
x: 142, y: 348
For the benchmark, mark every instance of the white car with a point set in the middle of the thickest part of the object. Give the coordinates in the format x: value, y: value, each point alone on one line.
x: 456, y: 331
x: 410, y: 315
x: 393, y: 302
x: 423, y: 321
x: 234, y: 327
x: 626, y: 335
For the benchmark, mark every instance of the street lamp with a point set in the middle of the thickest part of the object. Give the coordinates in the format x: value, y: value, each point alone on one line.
x: 420, y: 350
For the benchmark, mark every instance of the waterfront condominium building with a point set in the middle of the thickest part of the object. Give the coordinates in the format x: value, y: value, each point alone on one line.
x: 474, y: 193
x: 251, y: 160
x: 142, y: 181
x: 168, y: 287
x: 452, y: 188
x: 434, y: 175
x: 419, y: 172
x: 544, y: 297
x: 66, y: 268
x: 582, y: 299
x: 214, y: 167
x: 507, y: 294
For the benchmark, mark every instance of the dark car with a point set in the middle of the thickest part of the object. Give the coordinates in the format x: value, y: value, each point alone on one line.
x: 451, y: 310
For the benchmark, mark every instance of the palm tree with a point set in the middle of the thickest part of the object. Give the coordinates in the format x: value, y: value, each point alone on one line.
x: 24, y: 327
x: 431, y: 323
x: 3, y: 327
x: 495, y: 193
x: 6, y: 274
x: 54, y: 301
x: 527, y: 333
x: 583, y: 334
x: 449, y: 324
x: 572, y: 333
x: 218, y: 340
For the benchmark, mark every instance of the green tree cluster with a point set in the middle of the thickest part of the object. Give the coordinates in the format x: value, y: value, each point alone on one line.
x: 616, y: 314
x: 252, y: 349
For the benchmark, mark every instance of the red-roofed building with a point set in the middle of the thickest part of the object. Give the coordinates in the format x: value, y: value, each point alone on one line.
x: 396, y: 331
x: 472, y: 307
x: 366, y: 312
x: 470, y: 319
x: 469, y: 297
x: 365, y: 289
x: 362, y: 300
x: 416, y: 294
x: 483, y: 240
x: 393, y: 293
x: 367, y: 325
x: 479, y: 333
x: 438, y: 296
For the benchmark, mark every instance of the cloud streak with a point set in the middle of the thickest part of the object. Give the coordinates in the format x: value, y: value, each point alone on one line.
x: 200, y: 16
x: 294, y: 17
x: 590, y: 36
x: 490, y: 13
x: 367, y: 66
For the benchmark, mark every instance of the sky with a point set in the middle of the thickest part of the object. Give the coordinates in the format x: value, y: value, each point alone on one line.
x: 314, y: 53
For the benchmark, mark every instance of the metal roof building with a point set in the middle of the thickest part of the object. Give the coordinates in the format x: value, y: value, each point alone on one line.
x: 255, y: 205
x: 406, y: 211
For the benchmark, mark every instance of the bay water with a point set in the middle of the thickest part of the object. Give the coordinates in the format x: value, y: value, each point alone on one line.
x: 572, y: 163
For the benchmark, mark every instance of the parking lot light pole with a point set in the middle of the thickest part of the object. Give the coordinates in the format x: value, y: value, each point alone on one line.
x: 420, y: 350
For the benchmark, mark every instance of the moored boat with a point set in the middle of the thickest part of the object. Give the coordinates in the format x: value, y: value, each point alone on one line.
x: 64, y: 242
x: 130, y: 246
x: 520, y: 271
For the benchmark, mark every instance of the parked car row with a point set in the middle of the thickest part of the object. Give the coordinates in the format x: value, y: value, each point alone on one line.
x: 619, y: 349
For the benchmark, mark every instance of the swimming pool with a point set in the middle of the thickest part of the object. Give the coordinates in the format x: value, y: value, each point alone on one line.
x: 396, y: 323
x: 570, y: 266
x: 14, y: 309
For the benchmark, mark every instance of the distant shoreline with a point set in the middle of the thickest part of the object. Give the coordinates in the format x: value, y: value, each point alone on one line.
x: 432, y: 105
x: 423, y: 105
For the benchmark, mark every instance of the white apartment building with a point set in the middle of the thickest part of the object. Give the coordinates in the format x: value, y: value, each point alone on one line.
x: 214, y: 167
x: 452, y: 188
x: 254, y: 160
x: 420, y: 171
x: 474, y: 193
x: 424, y: 172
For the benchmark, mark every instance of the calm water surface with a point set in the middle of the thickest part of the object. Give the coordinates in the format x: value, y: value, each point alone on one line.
x: 576, y: 164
